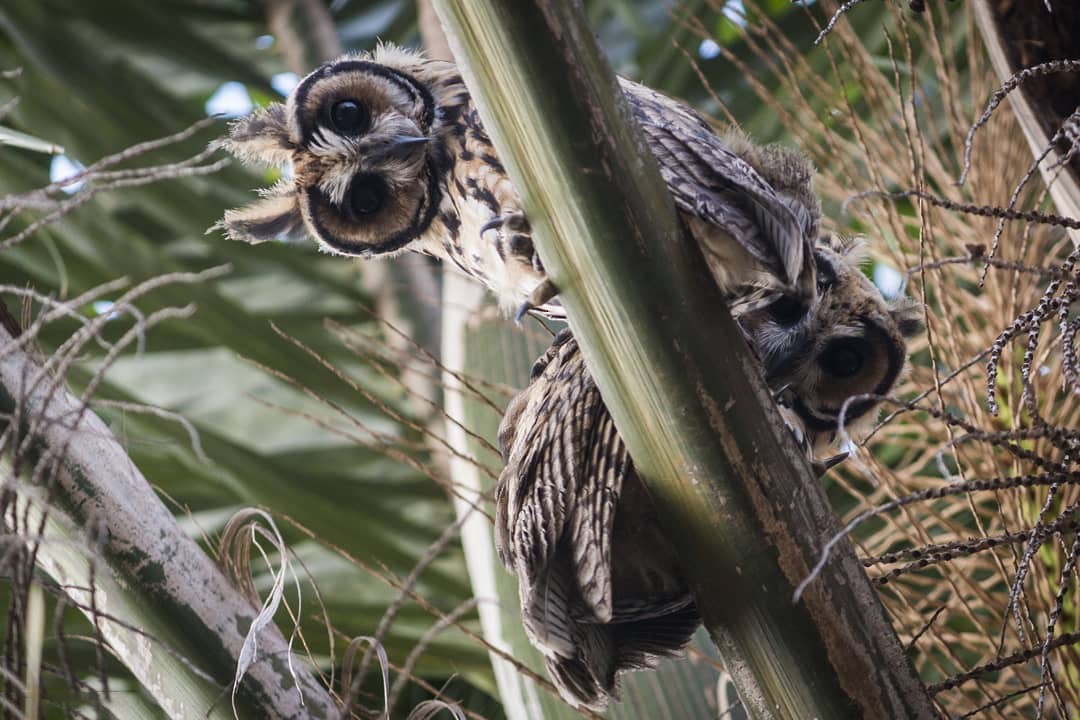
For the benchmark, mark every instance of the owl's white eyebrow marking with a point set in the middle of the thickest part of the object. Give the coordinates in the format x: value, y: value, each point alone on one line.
x: 326, y: 142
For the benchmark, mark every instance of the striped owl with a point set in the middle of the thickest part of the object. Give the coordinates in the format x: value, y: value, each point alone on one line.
x: 601, y: 588
x: 849, y: 343
x: 387, y: 153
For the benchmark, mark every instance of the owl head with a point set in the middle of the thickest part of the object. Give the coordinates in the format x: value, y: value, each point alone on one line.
x: 355, y: 138
x: 848, y: 342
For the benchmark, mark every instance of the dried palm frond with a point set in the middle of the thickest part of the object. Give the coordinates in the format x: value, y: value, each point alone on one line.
x: 966, y: 494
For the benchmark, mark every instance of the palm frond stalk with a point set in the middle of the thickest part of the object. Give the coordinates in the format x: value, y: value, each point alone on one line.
x: 739, y: 501
x: 115, y: 550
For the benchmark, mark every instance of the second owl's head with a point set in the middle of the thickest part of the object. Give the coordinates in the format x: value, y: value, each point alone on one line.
x: 848, y: 343
x: 355, y: 138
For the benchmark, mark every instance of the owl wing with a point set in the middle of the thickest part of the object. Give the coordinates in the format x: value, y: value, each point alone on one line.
x: 536, y: 484
x: 710, y: 181
x: 606, y: 468
x: 556, y: 498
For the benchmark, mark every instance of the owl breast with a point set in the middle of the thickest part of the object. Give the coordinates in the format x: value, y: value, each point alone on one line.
x: 458, y: 237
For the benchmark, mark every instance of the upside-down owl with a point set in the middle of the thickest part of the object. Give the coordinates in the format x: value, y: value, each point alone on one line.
x: 388, y: 154
x: 602, y: 591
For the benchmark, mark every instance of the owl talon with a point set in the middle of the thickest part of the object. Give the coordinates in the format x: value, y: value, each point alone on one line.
x: 821, y: 467
x: 539, y: 297
x: 782, y: 395
x: 516, y: 222
x: 522, y: 311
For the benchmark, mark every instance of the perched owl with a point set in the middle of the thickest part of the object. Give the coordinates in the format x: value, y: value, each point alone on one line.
x: 387, y: 153
x: 848, y: 342
x: 601, y: 588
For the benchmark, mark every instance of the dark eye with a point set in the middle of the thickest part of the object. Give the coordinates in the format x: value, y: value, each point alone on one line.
x: 366, y: 197
x: 844, y: 358
x: 786, y: 311
x: 349, y: 117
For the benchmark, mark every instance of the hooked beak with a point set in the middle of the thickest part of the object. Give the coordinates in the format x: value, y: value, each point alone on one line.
x: 403, y: 146
x: 821, y: 467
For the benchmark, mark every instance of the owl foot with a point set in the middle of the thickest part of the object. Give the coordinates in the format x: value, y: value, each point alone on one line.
x: 512, y: 222
x: 513, y: 239
x: 539, y: 297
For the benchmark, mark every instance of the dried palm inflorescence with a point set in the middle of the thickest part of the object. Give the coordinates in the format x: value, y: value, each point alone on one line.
x: 964, y: 501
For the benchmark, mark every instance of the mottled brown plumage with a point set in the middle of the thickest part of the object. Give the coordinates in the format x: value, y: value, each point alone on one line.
x: 600, y: 586
x: 387, y: 153
x: 850, y: 342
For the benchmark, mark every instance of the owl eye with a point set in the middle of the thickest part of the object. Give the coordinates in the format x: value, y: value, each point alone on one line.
x: 786, y: 311
x: 366, y: 196
x: 843, y: 358
x: 349, y: 117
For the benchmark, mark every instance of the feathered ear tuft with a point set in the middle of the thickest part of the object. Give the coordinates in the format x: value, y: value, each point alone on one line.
x: 275, y: 216
x: 787, y: 170
x: 388, y: 53
x: 908, y: 316
x: 853, y: 248
x: 261, y: 138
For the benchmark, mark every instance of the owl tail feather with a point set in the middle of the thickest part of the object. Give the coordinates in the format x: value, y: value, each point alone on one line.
x: 603, y: 651
x: 641, y: 644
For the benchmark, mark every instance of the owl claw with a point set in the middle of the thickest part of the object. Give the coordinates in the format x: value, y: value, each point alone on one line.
x: 539, y: 297
x: 782, y: 395
x: 516, y: 222
x: 821, y: 467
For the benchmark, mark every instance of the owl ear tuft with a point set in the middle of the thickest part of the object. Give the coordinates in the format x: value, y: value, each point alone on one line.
x: 274, y: 217
x: 853, y: 248
x: 908, y: 316
x: 261, y: 137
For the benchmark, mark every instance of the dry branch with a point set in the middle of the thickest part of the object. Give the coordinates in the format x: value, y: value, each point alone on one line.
x: 107, y: 540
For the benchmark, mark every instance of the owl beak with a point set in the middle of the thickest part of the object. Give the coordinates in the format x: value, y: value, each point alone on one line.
x: 408, y: 140
x: 402, y: 146
x: 821, y: 467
